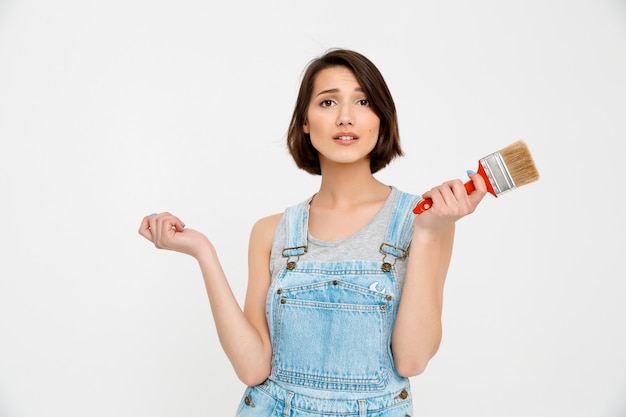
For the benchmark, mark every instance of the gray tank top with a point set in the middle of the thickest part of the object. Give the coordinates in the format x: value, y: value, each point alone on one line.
x: 363, y: 245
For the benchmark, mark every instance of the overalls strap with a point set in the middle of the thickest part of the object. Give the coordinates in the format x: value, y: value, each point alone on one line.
x: 296, y: 229
x: 400, y: 228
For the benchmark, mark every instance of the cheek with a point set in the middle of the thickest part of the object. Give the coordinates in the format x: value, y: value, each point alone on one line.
x: 310, y: 121
x: 375, y: 130
x: 315, y: 123
x: 375, y: 124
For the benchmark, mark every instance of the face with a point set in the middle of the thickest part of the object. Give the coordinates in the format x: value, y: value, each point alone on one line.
x: 342, y: 125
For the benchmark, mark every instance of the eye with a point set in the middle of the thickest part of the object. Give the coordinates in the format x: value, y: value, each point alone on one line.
x: 327, y: 103
x: 363, y: 102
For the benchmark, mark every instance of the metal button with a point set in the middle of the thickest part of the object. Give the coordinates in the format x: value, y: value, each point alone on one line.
x: 291, y: 265
x: 247, y: 401
x: 279, y: 291
x: 335, y: 282
x: 386, y: 267
x: 403, y: 394
x: 389, y: 298
x: 283, y: 301
x: 383, y: 307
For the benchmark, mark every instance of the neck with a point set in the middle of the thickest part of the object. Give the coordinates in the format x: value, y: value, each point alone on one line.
x: 347, y: 185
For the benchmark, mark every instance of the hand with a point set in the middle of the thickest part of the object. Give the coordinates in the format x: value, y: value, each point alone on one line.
x: 168, y: 232
x: 450, y: 202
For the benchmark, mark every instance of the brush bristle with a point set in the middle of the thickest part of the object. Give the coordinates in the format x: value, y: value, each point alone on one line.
x: 520, y: 163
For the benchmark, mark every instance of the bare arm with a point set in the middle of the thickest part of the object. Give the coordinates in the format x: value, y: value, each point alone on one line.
x: 417, y: 330
x: 244, y: 336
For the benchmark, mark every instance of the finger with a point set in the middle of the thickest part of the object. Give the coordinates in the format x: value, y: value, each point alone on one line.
x: 449, y: 194
x: 179, y: 226
x: 480, y: 189
x: 436, y: 195
x: 166, y: 221
x: 145, y: 226
x: 478, y: 180
x: 158, y: 224
x: 166, y: 227
x: 465, y: 202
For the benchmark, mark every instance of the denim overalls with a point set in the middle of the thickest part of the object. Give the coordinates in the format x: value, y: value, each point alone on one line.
x: 330, y: 324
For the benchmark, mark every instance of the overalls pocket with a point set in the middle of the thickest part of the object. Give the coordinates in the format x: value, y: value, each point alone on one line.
x: 256, y: 403
x: 332, y: 334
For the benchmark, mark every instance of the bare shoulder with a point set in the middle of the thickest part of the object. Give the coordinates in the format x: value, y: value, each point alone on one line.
x: 267, y: 224
x: 260, y: 249
x: 263, y: 230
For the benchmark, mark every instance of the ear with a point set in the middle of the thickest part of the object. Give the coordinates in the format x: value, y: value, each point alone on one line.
x: 305, y: 127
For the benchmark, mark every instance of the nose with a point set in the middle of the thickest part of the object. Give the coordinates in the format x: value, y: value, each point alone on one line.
x: 344, y: 117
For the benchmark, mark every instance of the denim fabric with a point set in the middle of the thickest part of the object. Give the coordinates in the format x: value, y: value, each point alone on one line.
x: 330, y: 325
x: 331, y: 331
x: 273, y: 400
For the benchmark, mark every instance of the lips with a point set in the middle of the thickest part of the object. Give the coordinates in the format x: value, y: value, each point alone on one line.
x: 345, y: 136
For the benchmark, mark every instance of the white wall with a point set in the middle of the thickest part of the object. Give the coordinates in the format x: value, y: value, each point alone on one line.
x: 112, y: 110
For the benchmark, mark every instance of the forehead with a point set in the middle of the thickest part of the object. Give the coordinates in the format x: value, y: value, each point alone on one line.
x: 338, y: 77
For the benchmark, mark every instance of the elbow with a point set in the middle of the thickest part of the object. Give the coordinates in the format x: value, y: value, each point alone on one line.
x: 411, y: 368
x: 252, y: 380
x: 412, y: 355
x: 252, y: 368
x: 413, y: 363
x: 253, y: 377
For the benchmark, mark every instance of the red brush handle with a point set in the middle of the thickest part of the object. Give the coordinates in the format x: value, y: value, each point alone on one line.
x: 427, y: 203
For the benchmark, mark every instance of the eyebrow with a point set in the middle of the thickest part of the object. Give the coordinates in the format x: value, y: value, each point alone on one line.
x: 336, y: 90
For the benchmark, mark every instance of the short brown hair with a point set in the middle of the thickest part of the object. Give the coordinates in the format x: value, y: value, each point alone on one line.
x: 373, y: 84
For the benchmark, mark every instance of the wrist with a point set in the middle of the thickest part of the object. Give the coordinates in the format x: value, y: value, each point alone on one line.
x: 205, y: 252
x: 427, y: 235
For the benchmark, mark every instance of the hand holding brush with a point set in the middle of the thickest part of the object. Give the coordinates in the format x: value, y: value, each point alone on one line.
x: 503, y: 171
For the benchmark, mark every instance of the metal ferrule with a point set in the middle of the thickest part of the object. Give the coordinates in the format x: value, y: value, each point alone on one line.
x: 497, y: 172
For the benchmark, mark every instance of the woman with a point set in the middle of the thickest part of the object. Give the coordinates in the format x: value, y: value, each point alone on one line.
x: 338, y: 314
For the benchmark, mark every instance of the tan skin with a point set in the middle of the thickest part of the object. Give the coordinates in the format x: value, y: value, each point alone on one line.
x: 344, y: 129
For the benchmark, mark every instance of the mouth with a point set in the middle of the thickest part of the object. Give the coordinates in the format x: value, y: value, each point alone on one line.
x: 345, y: 138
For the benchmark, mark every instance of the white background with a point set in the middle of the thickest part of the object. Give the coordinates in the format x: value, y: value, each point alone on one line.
x: 111, y: 110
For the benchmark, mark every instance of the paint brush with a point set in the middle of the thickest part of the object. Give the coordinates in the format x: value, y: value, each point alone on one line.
x: 503, y: 171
